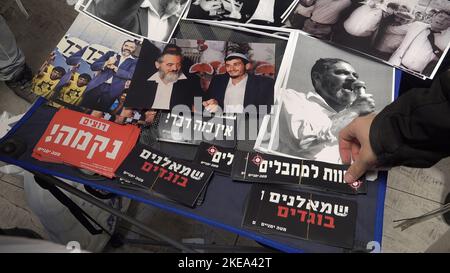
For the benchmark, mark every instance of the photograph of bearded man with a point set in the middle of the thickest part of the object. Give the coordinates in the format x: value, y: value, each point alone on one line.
x: 168, y: 86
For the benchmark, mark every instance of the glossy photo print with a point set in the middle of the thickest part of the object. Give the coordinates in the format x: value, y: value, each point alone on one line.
x: 413, y: 35
x: 325, y: 90
x: 88, y: 70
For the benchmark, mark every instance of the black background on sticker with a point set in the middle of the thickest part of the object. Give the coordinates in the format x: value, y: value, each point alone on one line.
x: 187, y: 195
x: 203, y: 155
x: 240, y: 165
x: 320, y: 183
x: 133, y: 164
x: 187, y: 137
x: 264, y: 211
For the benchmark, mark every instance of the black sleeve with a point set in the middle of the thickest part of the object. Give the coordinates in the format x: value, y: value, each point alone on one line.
x: 414, y: 130
x: 212, y: 89
x: 268, y: 96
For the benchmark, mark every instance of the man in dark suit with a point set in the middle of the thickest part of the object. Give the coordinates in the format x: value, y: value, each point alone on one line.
x: 154, y: 19
x: 113, y: 70
x: 238, y: 89
x: 165, y: 88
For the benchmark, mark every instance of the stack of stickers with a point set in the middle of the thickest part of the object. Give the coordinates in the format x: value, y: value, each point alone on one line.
x: 261, y: 168
x: 310, y: 216
x: 278, y: 202
x: 86, y: 142
x: 149, y: 170
x: 271, y: 169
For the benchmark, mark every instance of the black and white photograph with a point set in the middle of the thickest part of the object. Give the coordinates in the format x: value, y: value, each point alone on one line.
x: 155, y: 20
x: 413, y: 35
x: 325, y: 90
x: 260, y: 12
x: 223, y: 76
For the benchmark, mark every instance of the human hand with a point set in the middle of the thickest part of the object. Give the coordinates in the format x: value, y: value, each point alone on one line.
x: 354, y: 145
x: 211, y: 105
x: 111, y: 61
x: 363, y: 105
x: 304, y: 3
x: 75, y: 68
x: 150, y: 116
x: 52, y: 57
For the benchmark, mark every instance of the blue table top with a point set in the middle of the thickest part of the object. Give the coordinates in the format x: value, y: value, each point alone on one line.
x: 225, y: 200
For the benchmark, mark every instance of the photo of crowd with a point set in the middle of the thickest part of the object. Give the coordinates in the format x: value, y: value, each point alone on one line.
x: 413, y: 35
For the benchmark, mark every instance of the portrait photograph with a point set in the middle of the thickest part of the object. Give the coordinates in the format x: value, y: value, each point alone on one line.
x: 222, y: 75
x: 324, y: 91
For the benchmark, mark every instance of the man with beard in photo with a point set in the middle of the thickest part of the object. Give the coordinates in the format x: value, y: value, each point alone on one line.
x: 168, y: 86
x: 310, y: 121
x: 154, y: 19
x: 113, y: 71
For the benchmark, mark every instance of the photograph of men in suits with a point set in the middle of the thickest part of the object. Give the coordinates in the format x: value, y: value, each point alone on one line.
x: 166, y: 88
x: 237, y: 89
x: 113, y: 70
x: 154, y: 19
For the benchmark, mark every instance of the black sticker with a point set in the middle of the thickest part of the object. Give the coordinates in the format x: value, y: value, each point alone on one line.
x: 194, y: 129
x: 309, y: 216
x: 216, y: 157
x: 175, y: 179
x: 264, y: 168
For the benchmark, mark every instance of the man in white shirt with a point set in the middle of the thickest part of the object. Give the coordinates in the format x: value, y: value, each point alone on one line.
x: 309, y: 123
x: 424, y: 44
x: 325, y: 15
x: 154, y: 19
x: 238, y: 89
x: 165, y: 88
x: 169, y: 72
x: 391, y: 33
x: 358, y: 29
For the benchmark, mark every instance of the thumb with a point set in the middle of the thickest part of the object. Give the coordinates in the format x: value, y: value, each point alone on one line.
x: 356, y: 170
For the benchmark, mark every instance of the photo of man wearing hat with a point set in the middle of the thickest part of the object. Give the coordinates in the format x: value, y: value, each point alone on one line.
x: 237, y: 89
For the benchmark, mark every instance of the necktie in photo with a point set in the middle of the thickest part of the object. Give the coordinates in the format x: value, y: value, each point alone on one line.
x: 436, y: 50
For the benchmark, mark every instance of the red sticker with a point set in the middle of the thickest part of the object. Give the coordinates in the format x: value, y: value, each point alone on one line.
x: 86, y: 142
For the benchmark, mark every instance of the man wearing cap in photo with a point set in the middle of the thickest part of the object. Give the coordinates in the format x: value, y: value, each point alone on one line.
x: 237, y: 89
